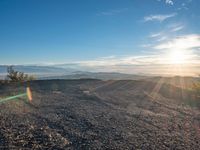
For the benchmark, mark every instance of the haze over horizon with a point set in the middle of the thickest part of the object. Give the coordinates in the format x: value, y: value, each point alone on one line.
x: 140, y: 36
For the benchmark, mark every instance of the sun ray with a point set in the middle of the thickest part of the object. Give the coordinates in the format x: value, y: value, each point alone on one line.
x: 157, y: 87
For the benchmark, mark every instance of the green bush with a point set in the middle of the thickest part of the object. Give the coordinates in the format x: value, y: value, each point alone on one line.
x: 17, y: 76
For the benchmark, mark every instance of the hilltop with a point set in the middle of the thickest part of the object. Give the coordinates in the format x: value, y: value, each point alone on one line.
x: 96, y: 114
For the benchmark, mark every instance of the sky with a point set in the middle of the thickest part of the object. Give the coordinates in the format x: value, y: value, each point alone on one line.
x: 131, y: 36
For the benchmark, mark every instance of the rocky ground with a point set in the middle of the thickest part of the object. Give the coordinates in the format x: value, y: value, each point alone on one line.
x: 94, y: 114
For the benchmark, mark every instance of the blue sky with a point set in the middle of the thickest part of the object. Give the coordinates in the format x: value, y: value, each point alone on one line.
x: 98, y: 33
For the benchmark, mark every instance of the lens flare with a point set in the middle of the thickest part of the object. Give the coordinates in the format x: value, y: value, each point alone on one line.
x: 29, y: 94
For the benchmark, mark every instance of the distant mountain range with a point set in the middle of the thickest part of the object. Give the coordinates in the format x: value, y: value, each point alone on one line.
x: 98, y: 75
x: 71, y: 72
x: 38, y: 71
x: 65, y: 72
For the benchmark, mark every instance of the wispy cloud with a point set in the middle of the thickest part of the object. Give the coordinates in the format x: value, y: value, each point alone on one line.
x: 162, y: 38
x: 174, y: 27
x: 177, y: 28
x: 158, y: 37
x: 155, y: 63
x: 167, y: 32
x: 181, y: 5
x: 159, y: 17
x: 120, y: 60
x: 181, y: 42
x: 154, y: 35
x: 112, y: 12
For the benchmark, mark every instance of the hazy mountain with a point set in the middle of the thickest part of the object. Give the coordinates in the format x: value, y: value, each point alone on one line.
x: 98, y: 75
x: 39, y: 71
x: 67, y: 71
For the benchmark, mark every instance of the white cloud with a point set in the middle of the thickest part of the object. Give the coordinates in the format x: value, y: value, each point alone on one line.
x: 177, y: 28
x: 152, y: 61
x: 170, y: 2
x: 159, y: 17
x: 174, y: 27
x: 156, y: 63
x: 123, y: 60
x: 166, y: 33
x: 182, y: 42
x: 154, y: 35
x: 162, y: 38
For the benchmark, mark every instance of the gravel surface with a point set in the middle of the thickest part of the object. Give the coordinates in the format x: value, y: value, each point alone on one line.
x: 94, y: 114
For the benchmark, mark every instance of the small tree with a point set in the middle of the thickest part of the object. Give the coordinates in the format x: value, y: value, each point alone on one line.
x: 16, y: 76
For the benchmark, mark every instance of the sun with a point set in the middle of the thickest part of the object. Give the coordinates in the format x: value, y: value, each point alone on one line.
x: 178, y: 57
x: 179, y: 61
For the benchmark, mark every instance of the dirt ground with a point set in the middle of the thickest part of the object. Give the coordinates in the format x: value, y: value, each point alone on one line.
x: 94, y: 114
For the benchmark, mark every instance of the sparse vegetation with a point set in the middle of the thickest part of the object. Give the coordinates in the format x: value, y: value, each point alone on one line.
x: 196, y: 95
x: 17, y: 76
x: 196, y: 88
